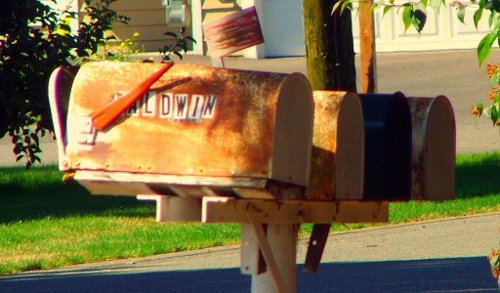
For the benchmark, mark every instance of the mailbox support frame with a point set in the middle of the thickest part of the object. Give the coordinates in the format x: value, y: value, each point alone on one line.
x: 269, y: 229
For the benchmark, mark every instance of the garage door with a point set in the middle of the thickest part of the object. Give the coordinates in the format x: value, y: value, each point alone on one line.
x: 442, y: 31
x: 283, y: 29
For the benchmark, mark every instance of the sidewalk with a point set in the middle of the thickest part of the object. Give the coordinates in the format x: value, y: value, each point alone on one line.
x: 446, y: 255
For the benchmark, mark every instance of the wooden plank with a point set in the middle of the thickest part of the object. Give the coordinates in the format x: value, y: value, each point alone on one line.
x: 282, y: 240
x: 279, y: 241
x: 127, y: 177
x: 229, y: 210
x: 174, y: 208
x: 125, y: 183
x: 251, y: 258
x: 317, y: 242
x: 367, y: 54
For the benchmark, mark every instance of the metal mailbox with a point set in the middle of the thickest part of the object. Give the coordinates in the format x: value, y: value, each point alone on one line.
x: 433, y: 149
x: 196, y: 131
x: 388, y: 134
x: 338, y: 147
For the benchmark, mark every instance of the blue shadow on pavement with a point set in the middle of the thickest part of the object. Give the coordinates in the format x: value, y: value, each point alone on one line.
x: 434, y: 275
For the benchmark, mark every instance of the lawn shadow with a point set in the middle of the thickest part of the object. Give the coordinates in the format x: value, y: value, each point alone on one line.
x: 41, y: 193
x: 478, y: 176
x: 469, y: 274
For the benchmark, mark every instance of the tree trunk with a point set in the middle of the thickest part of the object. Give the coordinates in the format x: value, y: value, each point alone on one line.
x: 329, y: 46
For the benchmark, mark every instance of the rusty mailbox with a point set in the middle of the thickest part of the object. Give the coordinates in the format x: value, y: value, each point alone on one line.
x: 433, y: 148
x: 196, y: 131
x: 337, y: 162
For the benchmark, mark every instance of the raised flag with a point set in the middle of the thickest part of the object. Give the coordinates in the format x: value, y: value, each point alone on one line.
x: 233, y: 32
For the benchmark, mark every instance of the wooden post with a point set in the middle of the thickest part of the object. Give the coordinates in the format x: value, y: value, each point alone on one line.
x: 368, y: 64
x: 280, y: 252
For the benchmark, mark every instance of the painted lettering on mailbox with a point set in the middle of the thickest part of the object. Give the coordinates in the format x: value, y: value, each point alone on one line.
x: 173, y: 106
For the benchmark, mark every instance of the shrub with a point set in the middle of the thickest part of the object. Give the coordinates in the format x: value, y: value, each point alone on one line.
x: 34, y: 40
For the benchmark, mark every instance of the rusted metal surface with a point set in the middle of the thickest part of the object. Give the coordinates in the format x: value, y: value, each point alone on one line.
x: 433, y: 149
x: 194, y: 121
x: 338, y: 147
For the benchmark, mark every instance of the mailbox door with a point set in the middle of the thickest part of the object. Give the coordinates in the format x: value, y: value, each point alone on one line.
x: 387, y: 147
x: 433, y: 150
x: 338, y: 147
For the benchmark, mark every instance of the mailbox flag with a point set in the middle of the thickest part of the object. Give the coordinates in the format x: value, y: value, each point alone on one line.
x: 234, y: 32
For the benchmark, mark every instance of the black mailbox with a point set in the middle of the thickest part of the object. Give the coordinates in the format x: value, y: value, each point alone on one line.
x: 387, y: 147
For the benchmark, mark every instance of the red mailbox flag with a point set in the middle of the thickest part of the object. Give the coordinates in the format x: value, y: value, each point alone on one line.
x: 104, y: 116
x: 234, y: 32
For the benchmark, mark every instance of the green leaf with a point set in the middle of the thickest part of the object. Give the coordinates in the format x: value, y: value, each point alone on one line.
x: 18, y: 158
x: 418, y: 19
x: 435, y: 5
x: 487, y: 111
x: 493, y: 5
x: 386, y: 9
x: 178, y: 54
x: 494, y: 79
x: 336, y: 6
x: 407, y: 13
x: 190, y: 38
x: 494, y: 262
x: 372, y: 8
x: 174, y: 35
x: 461, y: 14
x: 345, y: 4
x: 494, y: 114
x: 484, y: 47
x: 477, y: 16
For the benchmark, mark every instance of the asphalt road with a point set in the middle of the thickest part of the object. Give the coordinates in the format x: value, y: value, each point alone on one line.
x: 432, y: 256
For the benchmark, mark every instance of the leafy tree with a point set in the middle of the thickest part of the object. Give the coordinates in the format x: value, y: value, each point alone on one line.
x: 34, y: 40
x: 177, y: 44
x: 414, y: 14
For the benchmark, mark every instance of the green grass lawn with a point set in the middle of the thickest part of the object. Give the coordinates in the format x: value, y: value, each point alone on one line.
x: 45, y: 223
